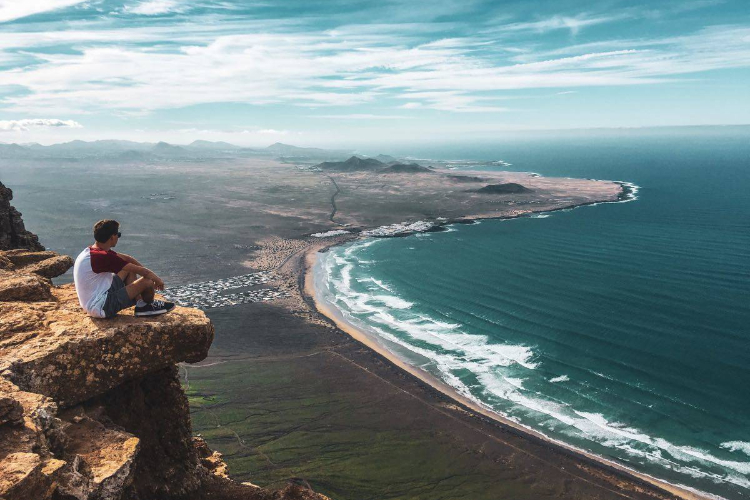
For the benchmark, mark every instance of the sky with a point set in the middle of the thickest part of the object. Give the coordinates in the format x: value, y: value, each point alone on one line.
x: 342, y: 73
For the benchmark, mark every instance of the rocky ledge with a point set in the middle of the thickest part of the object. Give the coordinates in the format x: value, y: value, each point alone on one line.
x: 92, y: 408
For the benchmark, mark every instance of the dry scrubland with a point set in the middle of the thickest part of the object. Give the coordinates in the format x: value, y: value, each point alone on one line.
x: 284, y: 192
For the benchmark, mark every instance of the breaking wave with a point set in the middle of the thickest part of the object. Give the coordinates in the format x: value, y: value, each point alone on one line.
x: 742, y: 446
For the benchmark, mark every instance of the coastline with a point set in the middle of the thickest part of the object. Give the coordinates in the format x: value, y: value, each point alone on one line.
x: 309, y: 286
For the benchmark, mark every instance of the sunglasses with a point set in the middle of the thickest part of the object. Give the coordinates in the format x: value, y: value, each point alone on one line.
x: 119, y: 234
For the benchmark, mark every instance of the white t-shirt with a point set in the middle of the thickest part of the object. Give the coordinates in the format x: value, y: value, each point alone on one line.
x: 93, y: 273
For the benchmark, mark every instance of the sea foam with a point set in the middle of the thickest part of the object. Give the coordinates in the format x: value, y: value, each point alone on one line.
x: 742, y: 446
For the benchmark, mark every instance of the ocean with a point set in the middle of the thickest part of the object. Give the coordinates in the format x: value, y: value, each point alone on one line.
x: 622, y: 329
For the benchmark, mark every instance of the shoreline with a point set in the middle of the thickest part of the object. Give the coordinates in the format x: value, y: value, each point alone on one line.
x: 309, y: 288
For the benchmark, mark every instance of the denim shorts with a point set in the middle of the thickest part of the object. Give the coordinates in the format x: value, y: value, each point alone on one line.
x: 117, y: 298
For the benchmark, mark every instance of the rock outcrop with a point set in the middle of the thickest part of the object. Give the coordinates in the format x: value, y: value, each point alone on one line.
x: 13, y: 233
x: 406, y: 168
x: 93, y: 409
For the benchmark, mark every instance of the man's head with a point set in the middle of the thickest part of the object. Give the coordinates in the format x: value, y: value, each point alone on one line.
x: 107, y: 232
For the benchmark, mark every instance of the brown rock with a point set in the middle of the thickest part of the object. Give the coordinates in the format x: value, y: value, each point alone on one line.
x: 51, y: 268
x: 94, y: 355
x: 20, y: 475
x: 108, y: 454
x: 210, y: 459
x: 57, y: 356
x: 26, y: 475
x: 21, y: 257
x: 155, y: 409
x: 11, y: 410
x: 23, y: 287
x: 46, y: 264
x: 5, y: 263
x: 13, y: 234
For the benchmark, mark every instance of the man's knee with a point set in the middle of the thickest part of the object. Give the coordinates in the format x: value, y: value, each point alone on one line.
x: 146, y: 284
x: 127, y: 277
x: 140, y: 286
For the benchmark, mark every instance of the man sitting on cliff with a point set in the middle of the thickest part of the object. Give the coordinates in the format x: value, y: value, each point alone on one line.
x: 107, y: 282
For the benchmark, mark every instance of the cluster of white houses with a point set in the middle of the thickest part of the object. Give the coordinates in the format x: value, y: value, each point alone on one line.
x: 225, y: 292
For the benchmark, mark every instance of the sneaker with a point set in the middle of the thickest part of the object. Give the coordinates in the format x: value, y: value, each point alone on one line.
x: 154, y: 308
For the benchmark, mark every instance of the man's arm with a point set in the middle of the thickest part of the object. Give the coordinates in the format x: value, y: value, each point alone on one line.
x: 146, y: 273
x: 129, y: 259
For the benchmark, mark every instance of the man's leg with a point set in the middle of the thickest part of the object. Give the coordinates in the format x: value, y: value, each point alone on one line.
x: 143, y: 288
x: 123, y: 292
x: 127, y: 277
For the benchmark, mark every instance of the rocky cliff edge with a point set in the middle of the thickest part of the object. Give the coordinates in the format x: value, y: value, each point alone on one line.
x: 93, y: 408
x: 13, y: 234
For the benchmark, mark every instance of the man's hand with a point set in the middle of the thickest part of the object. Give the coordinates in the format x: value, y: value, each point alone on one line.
x: 158, y: 283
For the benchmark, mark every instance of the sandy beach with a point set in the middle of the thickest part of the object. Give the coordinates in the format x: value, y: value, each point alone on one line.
x: 312, y: 290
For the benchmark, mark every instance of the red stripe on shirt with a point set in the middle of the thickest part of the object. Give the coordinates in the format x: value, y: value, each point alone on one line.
x: 106, y: 261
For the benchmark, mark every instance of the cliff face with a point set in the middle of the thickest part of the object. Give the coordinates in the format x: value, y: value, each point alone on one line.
x: 93, y: 409
x: 13, y: 234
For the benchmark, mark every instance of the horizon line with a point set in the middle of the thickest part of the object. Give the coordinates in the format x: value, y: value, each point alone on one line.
x: 514, y: 131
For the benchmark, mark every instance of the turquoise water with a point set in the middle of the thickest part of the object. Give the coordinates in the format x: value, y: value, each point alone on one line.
x: 622, y: 329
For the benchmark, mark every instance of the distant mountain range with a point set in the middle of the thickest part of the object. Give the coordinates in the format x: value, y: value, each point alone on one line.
x: 141, y: 151
x: 218, y: 145
x: 286, y: 150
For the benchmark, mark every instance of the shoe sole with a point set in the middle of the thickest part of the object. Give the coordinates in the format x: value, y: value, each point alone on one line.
x: 153, y: 313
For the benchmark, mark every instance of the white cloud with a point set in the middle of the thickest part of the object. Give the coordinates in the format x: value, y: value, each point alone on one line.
x: 572, y: 23
x: 363, y: 116
x: 453, y: 100
x: 267, y: 131
x: 35, y: 123
x: 211, y: 63
x: 229, y: 132
x: 16, y: 9
x: 155, y: 7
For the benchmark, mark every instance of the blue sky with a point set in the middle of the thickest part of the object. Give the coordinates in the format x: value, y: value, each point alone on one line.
x: 347, y: 73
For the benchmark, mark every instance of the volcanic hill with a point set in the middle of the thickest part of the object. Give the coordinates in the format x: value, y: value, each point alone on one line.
x: 506, y: 188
